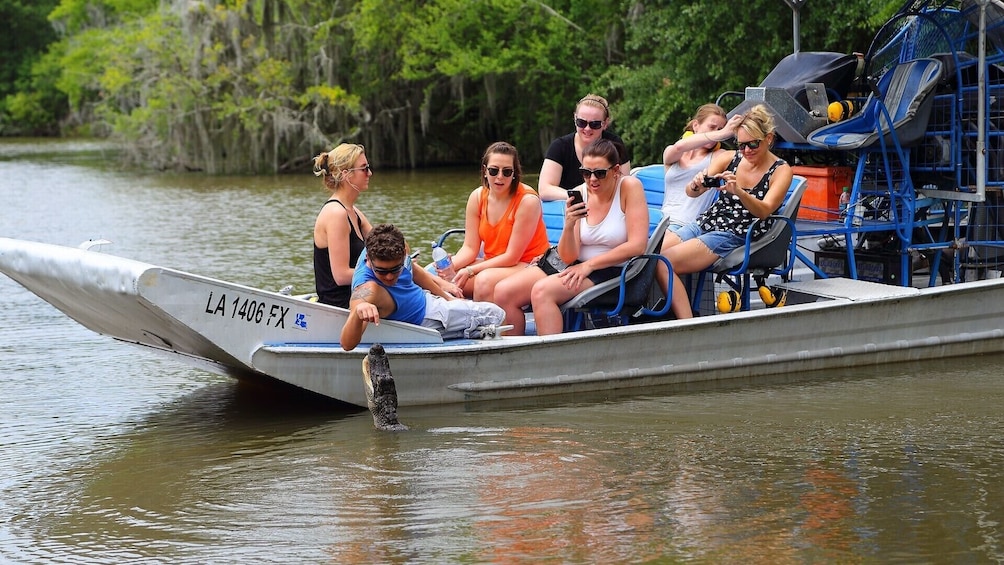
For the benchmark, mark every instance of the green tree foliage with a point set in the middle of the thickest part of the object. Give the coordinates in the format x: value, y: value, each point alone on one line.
x: 262, y: 85
x: 227, y: 88
x: 465, y: 73
x: 39, y: 107
x: 73, y: 16
x: 681, y: 55
x: 26, y: 33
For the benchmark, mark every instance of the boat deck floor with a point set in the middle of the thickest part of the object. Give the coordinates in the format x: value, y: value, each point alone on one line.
x: 849, y: 289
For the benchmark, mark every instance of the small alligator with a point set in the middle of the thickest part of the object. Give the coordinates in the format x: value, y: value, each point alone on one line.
x: 381, y: 393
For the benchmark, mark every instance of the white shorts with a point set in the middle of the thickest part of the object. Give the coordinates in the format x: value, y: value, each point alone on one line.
x: 460, y: 318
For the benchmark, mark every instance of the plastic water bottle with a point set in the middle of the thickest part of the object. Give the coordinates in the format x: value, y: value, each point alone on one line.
x: 845, y: 199
x: 444, y: 265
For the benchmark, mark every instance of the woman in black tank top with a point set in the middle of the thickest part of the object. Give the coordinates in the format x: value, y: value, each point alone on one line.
x: 339, y: 230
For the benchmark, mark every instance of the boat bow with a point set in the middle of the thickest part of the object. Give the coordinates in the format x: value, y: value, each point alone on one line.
x: 220, y: 323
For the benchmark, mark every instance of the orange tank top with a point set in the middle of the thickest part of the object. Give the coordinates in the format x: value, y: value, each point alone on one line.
x: 496, y: 237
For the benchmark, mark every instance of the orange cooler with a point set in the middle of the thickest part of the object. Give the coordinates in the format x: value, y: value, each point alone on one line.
x: 821, y: 200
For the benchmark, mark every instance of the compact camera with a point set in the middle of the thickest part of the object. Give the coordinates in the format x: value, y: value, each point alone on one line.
x: 712, y: 182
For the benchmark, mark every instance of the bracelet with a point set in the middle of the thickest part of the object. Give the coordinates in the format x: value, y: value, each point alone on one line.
x: 470, y: 272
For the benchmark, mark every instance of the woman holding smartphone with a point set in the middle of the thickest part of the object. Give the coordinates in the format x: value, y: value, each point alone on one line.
x: 504, y: 215
x: 594, y: 245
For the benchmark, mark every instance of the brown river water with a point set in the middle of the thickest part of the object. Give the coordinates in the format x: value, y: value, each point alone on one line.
x: 112, y: 454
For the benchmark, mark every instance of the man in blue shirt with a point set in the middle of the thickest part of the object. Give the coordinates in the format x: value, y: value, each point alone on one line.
x: 385, y: 285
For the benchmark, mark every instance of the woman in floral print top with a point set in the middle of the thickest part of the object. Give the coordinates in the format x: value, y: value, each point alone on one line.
x: 751, y: 184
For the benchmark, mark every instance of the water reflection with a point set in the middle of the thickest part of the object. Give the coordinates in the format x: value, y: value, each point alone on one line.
x: 187, y: 475
x: 783, y: 473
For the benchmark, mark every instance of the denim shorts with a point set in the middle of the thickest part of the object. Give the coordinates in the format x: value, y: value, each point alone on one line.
x: 720, y: 243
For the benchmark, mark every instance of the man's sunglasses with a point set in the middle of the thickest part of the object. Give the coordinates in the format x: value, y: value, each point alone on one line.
x: 390, y: 271
x: 506, y: 172
x: 753, y: 144
x: 594, y: 124
x: 598, y: 173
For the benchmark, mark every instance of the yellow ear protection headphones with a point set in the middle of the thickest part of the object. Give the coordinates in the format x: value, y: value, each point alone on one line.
x: 841, y: 110
x: 730, y: 301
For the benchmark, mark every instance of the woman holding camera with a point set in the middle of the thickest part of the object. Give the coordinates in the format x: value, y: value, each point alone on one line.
x: 750, y: 185
x: 690, y: 155
x: 503, y: 215
x: 600, y: 234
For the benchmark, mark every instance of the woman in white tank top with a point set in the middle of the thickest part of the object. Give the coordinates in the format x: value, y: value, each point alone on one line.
x: 599, y: 235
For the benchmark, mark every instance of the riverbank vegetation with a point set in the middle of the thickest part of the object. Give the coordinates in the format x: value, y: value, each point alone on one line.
x: 238, y: 86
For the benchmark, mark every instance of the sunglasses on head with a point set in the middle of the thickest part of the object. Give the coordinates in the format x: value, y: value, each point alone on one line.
x: 752, y: 144
x: 390, y: 271
x: 598, y: 173
x: 365, y: 167
x: 593, y: 124
x: 506, y: 172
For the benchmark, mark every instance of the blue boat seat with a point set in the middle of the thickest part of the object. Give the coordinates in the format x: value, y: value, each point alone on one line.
x: 772, y: 253
x: 653, y: 180
x: 903, y: 101
x: 554, y: 219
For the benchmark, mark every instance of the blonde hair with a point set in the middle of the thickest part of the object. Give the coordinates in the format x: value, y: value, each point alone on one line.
x: 704, y: 112
x: 758, y: 122
x: 596, y: 101
x: 333, y: 164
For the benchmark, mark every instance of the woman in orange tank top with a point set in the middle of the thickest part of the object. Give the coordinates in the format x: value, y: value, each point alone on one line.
x: 504, y: 215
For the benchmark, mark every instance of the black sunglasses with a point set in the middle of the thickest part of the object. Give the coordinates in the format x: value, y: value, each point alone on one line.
x: 506, y: 172
x: 599, y: 173
x: 753, y: 144
x: 594, y: 124
x: 365, y: 167
x: 390, y: 271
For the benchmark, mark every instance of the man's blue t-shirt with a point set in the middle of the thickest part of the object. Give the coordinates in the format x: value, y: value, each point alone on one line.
x: 409, y: 298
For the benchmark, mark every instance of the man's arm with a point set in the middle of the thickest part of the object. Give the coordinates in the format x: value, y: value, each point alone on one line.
x: 430, y: 282
x: 361, y: 313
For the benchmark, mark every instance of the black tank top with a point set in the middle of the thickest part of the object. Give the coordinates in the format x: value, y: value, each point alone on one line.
x: 328, y: 291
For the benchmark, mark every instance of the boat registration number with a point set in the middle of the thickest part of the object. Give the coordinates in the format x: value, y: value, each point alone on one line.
x: 247, y: 309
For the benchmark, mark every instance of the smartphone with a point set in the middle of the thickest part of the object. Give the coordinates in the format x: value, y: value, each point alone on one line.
x: 576, y: 195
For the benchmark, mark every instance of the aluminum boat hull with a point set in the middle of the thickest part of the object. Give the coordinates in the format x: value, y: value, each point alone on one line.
x: 250, y: 333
